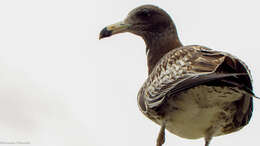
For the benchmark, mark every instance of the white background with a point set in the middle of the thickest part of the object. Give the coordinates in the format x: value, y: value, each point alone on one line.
x: 61, y: 86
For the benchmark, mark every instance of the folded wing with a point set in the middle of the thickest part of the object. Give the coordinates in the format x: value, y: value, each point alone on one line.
x: 188, y: 67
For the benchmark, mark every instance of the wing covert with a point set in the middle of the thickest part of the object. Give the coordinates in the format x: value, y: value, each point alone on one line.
x: 184, y: 68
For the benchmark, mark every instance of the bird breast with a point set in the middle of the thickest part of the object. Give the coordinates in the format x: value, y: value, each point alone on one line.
x: 192, y: 112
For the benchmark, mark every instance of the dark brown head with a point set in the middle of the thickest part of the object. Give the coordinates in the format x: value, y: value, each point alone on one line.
x: 144, y: 20
x: 154, y: 25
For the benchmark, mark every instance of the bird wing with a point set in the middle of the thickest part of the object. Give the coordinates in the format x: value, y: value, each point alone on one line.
x: 189, y: 66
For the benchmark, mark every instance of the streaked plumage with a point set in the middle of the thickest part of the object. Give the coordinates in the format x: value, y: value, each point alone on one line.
x: 192, y: 91
x: 184, y: 82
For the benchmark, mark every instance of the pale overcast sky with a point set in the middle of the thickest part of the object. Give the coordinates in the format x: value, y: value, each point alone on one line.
x: 61, y: 86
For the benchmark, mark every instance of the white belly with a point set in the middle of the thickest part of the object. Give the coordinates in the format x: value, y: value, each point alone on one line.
x: 197, y: 112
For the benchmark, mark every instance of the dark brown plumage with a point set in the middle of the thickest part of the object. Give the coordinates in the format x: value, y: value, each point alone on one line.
x: 192, y: 91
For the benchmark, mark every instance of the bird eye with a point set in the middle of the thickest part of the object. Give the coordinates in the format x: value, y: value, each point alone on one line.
x: 144, y: 13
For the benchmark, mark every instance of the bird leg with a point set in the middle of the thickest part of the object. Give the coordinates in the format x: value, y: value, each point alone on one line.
x: 209, y: 134
x: 207, y: 140
x: 161, y: 136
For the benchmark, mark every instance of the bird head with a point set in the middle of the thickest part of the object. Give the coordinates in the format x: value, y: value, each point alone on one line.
x: 143, y: 21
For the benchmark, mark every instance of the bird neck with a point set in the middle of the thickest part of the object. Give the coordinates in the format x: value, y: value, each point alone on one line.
x: 158, y: 44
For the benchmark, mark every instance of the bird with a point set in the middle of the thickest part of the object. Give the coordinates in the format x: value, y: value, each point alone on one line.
x: 191, y: 91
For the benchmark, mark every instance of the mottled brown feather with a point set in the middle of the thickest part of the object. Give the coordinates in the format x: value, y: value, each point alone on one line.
x: 181, y: 65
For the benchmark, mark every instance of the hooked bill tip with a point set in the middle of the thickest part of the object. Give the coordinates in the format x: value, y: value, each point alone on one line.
x: 105, y: 33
